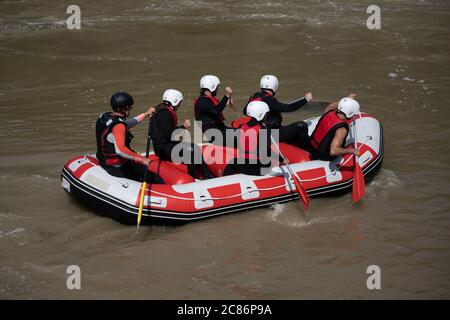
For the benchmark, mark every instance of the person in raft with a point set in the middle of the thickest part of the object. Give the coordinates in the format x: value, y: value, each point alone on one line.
x: 114, y: 141
x: 294, y: 133
x: 209, y: 110
x: 163, y: 124
x: 254, y: 158
x: 328, y: 138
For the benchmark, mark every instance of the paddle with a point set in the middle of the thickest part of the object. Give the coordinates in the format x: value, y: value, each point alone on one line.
x: 231, y: 104
x: 144, y: 182
x: 297, y: 182
x: 359, y: 188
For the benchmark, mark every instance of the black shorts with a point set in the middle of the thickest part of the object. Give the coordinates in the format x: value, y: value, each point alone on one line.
x: 134, y: 171
x: 296, y: 134
x: 253, y: 169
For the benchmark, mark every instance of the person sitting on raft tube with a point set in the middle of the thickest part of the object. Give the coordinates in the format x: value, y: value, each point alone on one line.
x: 294, y: 133
x: 208, y: 109
x: 328, y: 138
x: 114, y: 139
x: 251, y: 135
x: 162, y: 126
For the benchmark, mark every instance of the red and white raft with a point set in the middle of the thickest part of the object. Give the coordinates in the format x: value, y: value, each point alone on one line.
x: 118, y: 198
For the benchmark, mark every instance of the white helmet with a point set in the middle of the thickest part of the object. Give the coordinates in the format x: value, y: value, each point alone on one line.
x: 257, y: 109
x: 348, y: 106
x: 173, y: 96
x: 269, y: 82
x: 209, y: 82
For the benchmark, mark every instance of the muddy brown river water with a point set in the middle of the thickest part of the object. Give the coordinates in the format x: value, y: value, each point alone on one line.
x: 54, y: 82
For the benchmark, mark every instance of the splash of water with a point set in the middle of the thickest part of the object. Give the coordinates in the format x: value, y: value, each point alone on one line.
x: 284, y: 214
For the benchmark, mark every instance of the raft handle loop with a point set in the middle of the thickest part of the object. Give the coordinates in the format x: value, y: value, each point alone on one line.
x: 155, y: 201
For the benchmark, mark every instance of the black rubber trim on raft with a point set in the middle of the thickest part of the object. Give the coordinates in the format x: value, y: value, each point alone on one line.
x: 171, y: 214
x: 125, y: 213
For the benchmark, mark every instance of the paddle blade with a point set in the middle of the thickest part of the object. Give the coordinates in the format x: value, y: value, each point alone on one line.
x: 302, y: 193
x: 141, y: 202
x: 359, y: 186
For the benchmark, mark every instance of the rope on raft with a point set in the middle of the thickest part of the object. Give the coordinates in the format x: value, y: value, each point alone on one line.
x: 333, y: 172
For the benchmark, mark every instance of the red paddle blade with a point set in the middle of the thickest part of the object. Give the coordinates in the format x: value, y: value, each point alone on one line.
x: 359, y: 187
x: 302, y: 193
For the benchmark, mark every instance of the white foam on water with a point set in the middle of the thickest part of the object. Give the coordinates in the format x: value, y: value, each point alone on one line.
x: 291, y: 218
x: 278, y: 208
x: 392, y: 75
x: 380, y: 187
x: 56, y: 269
x: 11, y: 233
x: 41, y: 177
x: 386, y: 179
x: 10, y: 216
x: 313, y: 21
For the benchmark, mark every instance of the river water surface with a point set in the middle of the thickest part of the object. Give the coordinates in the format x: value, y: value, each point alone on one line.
x: 54, y: 82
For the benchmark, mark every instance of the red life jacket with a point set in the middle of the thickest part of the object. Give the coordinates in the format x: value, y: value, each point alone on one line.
x: 324, y: 133
x: 171, y: 110
x: 106, y: 152
x: 248, y: 141
x: 258, y: 96
x: 240, y: 121
x: 220, y: 118
x: 174, y: 116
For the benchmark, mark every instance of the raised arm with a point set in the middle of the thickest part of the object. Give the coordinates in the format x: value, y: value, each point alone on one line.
x: 275, y: 105
x: 141, y: 117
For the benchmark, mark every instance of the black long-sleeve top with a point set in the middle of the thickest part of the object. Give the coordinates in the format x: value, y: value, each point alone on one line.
x: 274, y: 118
x: 162, y: 127
x: 210, y: 115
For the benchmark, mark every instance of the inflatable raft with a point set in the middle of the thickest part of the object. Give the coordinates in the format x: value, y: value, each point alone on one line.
x: 118, y: 198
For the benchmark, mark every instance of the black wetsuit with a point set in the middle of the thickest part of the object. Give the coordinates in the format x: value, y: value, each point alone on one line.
x: 295, y: 133
x: 163, y: 124
x: 209, y: 111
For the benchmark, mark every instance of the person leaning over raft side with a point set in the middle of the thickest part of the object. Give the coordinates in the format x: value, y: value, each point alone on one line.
x: 250, y: 139
x: 294, y: 133
x: 208, y: 109
x: 114, y: 139
x: 328, y: 139
x: 164, y: 123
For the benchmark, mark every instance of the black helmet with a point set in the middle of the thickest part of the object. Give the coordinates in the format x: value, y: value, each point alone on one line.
x: 121, y: 100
